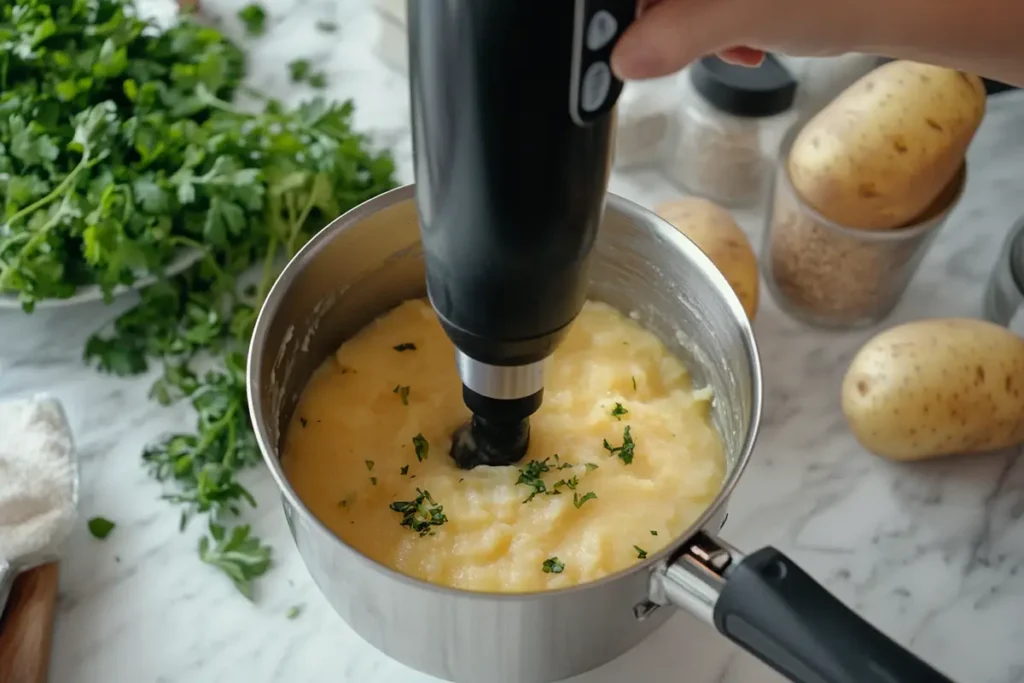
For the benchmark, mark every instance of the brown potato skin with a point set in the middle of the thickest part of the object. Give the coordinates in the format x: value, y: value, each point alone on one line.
x: 938, y: 387
x: 880, y: 154
x: 713, y: 229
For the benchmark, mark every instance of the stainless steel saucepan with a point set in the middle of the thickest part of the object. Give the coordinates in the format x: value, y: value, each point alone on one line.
x: 367, y: 262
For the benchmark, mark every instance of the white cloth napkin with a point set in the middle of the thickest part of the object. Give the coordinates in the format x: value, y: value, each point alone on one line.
x: 38, y: 485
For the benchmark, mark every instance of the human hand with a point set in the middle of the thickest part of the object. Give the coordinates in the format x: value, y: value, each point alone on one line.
x: 669, y: 34
x: 979, y: 36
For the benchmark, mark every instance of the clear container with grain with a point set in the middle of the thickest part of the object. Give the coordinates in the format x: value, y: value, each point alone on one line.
x: 832, y: 276
x: 1004, y: 295
x: 729, y: 128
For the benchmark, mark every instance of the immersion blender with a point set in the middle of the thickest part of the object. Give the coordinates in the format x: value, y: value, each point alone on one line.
x: 513, y: 134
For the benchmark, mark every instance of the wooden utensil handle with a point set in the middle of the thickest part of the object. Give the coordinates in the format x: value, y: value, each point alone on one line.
x: 26, y: 627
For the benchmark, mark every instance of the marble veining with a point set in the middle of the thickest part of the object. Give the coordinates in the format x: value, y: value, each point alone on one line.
x: 932, y: 553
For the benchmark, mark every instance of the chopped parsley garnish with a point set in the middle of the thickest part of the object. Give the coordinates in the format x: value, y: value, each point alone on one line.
x: 405, y: 470
x: 625, y: 451
x: 561, y: 465
x: 618, y: 411
x: 422, y: 447
x: 531, y: 476
x: 254, y: 18
x: 552, y: 565
x: 100, y: 527
x: 653, y: 532
x: 579, y: 500
x: 641, y: 554
x: 571, y: 483
x: 303, y: 422
x: 300, y: 69
x: 369, y: 465
x: 590, y: 466
x: 373, y: 480
x: 404, y: 346
x: 403, y: 393
x: 294, y: 611
x: 420, y: 514
x: 634, y: 382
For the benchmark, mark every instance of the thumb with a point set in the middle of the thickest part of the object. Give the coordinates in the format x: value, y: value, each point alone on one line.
x: 670, y: 34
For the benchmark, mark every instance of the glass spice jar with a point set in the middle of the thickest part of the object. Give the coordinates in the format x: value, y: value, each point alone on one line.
x: 832, y: 276
x: 1004, y: 295
x: 729, y: 128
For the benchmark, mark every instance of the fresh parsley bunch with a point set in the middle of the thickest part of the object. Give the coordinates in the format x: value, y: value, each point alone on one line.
x: 119, y: 147
x: 98, y: 111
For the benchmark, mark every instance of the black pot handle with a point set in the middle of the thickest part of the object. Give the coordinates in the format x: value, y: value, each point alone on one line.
x: 772, y: 608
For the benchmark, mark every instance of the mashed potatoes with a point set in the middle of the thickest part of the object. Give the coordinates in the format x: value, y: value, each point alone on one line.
x: 622, y: 457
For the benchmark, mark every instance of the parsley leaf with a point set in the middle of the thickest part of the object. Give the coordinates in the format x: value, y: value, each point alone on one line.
x: 238, y: 554
x: 403, y: 394
x: 254, y: 18
x: 100, y: 527
x: 618, y: 411
x: 300, y: 69
x: 420, y: 514
x: 579, y: 500
x: 422, y: 447
x: 625, y: 451
x: 552, y: 565
x: 530, y: 476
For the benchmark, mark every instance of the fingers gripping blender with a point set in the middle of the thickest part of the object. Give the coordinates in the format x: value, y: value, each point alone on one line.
x: 513, y: 134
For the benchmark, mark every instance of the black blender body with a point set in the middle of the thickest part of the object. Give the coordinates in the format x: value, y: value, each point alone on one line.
x: 513, y: 135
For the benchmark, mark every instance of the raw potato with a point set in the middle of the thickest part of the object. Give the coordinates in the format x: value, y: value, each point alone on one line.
x: 713, y: 229
x: 937, y: 387
x: 880, y: 153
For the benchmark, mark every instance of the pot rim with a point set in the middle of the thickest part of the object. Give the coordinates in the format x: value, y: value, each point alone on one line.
x: 271, y: 305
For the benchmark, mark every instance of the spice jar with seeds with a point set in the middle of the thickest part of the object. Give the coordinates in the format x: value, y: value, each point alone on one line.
x: 830, y: 275
x: 1004, y: 295
x: 729, y: 128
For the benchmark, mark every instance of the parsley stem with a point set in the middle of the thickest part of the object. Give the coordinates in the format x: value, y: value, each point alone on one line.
x: 41, y: 234
x: 214, y: 102
x: 54, y: 193
x: 229, y: 452
x: 296, y: 226
x: 267, y: 276
x: 217, y: 427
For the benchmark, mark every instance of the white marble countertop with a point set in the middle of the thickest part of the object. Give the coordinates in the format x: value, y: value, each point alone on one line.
x: 931, y: 553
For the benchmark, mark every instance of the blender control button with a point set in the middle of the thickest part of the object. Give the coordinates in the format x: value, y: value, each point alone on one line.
x: 597, y: 81
x: 601, y: 30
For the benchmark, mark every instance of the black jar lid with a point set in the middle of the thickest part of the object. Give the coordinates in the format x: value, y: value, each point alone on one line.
x: 744, y: 91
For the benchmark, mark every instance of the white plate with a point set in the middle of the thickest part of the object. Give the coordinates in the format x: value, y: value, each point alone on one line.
x: 92, y: 293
